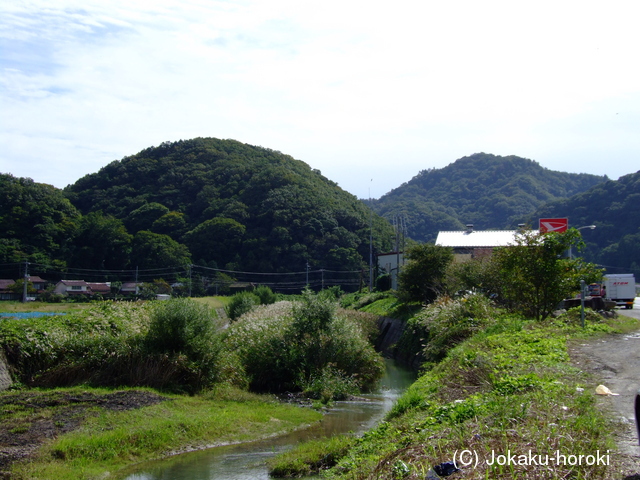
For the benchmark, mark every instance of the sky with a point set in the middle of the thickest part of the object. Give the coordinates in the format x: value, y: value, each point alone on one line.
x: 369, y: 93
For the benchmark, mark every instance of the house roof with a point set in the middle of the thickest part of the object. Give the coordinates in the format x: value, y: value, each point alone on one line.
x: 36, y: 279
x: 6, y: 283
x: 72, y: 283
x: 99, y: 287
x: 477, y: 238
x: 129, y: 286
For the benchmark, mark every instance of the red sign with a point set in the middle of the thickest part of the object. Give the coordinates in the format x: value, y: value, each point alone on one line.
x: 553, y: 225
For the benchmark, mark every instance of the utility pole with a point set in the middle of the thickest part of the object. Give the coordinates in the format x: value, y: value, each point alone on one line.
x: 370, y: 240
x: 26, y: 279
x: 307, y: 274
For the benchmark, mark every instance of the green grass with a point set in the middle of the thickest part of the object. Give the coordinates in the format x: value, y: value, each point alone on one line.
x: 111, y: 440
x: 511, y: 388
x: 13, y: 306
x: 310, y: 457
x: 213, y: 302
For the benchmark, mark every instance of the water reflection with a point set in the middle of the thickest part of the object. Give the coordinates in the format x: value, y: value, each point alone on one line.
x: 247, y: 461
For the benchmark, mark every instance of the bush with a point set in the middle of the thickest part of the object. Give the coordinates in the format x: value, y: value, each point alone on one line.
x: 168, y: 345
x: 265, y: 294
x: 240, y: 304
x: 184, y: 327
x: 330, y: 384
x: 443, y: 324
x: 293, y: 347
x: 312, y: 315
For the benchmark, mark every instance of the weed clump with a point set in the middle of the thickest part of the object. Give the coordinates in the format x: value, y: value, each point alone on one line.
x: 443, y: 324
x: 241, y: 303
x: 170, y: 345
x: 304, y: 346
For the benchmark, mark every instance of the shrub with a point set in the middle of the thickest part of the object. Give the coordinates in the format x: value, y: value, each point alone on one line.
x: 312, y: 314
x: 167, y: 345
x: 330, y: 384
x: 240, y: 304
x: 184, y: 327
x: 265, y: 294
x: 443, y: 324
x: 301, y: 346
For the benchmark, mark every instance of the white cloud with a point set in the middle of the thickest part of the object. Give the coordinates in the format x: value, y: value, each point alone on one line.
x: 349, y: 87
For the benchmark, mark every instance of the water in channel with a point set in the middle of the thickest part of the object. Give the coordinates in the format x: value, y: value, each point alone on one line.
x: 247, y: 461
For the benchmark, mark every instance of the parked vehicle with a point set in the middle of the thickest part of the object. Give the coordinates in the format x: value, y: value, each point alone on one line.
x: 620, y: 288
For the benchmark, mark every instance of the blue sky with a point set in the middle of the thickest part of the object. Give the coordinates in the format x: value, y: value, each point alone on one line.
x: 370, y: 93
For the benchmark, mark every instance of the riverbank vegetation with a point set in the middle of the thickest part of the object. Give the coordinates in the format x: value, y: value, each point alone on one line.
x: 174, y: 347
x: 508, y: 386
x: 84, y: 433
x: 497, y: 379
x: 306, y: 346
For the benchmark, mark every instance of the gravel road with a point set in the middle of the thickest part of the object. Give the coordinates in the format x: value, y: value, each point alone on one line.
x: 614, y: 361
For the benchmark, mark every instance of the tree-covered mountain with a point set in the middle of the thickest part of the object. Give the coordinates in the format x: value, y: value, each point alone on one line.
x: 614, y: 208
x: 227, y: 205
x: 37, y: 222
x: 230, y: 205
x: 488, y: 191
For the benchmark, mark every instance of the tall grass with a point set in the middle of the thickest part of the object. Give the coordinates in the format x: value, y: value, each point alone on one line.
x: 109, y: 440
x: 304, y: 346
x: 168, y: 345
x: 508, y: 388
x: 441, y: 325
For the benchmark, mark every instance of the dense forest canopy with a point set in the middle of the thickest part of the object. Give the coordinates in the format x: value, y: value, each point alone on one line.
x: 217, y: 203
x: 614, y: 208
x: 488, y: 191
x: 225, y: 205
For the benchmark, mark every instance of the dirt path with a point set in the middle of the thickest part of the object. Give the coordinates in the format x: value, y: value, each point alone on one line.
x: 614, y: 361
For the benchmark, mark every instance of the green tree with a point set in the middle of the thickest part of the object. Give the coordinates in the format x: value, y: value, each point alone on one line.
x: 172, y: 224
x: 153, y: 250
x: 142, y: 218
x: 422, y: 279
x: 535, y: 275
x: 36, y: 220
x: 103, y: 243
x: 218, y: 239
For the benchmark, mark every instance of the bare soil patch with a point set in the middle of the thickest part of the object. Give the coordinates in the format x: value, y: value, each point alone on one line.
x: 614, y: 361
x: 28, y: 418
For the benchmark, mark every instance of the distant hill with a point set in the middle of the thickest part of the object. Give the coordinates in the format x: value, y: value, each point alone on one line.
x: 614, y: 208
x: 234, y: 206
x: 488, y: 191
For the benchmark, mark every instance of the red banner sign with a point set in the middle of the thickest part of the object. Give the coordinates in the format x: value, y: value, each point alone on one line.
x: 553, y: 225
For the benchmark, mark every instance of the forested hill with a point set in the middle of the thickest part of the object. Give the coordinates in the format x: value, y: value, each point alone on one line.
x: 234, y: 206
x: 614, y: 208
x: 488, y: 191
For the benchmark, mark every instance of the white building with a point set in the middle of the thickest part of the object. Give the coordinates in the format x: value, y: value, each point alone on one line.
x: 470, y: 243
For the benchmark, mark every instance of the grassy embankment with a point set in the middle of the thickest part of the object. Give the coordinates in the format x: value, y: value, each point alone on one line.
x: 510, y: 387
x: 175, y: 346
x: 105, y: 344
x: 108, y: 441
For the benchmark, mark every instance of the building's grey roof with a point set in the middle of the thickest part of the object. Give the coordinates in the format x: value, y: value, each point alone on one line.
x: 477, y: 238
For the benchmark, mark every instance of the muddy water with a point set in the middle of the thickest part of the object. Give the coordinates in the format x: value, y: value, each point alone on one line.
x: 247, y: 461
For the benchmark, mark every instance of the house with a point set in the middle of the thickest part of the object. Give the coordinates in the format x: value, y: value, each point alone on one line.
x: 72, y: 287
x: 470, y: 243
x: 38, y: 283
x: 5, y: 290
x: 130, y: 288
x: 101, y: 288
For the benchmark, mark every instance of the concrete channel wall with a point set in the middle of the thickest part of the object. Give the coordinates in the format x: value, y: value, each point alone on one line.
x: 391, y: 329
x: 5, y: 378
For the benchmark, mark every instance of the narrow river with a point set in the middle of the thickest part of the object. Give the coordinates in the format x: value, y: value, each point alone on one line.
x: 247, y: 461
